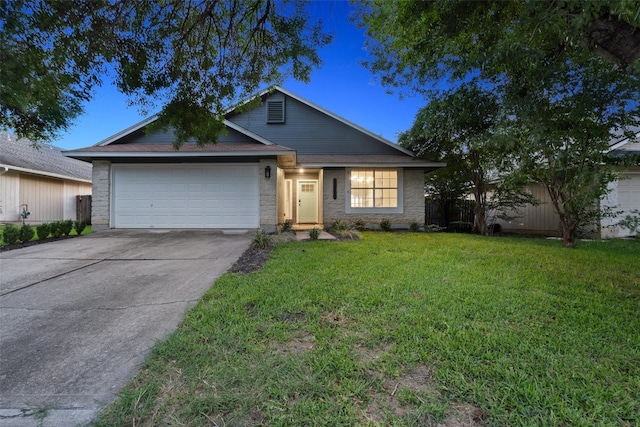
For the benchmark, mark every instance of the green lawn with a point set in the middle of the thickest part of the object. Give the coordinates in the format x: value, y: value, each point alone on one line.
x: 406, y: 329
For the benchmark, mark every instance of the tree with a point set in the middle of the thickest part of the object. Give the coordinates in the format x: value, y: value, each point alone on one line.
x: 413, y: 43
x: 193, y: 57
x: 562, y: 131
x: 560, y: 99
x: 460, y: 129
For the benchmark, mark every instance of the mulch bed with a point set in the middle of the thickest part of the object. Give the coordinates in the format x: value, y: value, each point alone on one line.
x: 252, y: 259
x: 21, y: 245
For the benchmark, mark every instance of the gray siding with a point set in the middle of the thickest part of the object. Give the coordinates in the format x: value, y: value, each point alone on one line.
x: 310, y: 131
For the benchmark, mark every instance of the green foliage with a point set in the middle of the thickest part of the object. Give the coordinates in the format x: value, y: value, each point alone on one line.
x: 414, y: 226
x: 194, y: 58
x: 10, y: 234
x: 43, y: 230
x: 314, y: 233
x: 339, y: 225
x: 57, y: 229
x: 359, y: 224
x: 385, y: 224
x: 631, y: 221
x: 347, y: 234
x: 26, y: 233
x: 287, y: 226
x: 65, y: 226
x: 79, y: 226
x: 262, y: 240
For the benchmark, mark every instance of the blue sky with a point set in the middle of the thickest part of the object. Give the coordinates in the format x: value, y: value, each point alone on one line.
x: 342, y: 85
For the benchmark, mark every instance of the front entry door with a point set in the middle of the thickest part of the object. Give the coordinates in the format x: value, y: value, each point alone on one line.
x: 308, y: 201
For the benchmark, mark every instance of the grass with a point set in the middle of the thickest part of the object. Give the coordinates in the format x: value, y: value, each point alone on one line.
x: 405, y: 329
x: 87, y: 230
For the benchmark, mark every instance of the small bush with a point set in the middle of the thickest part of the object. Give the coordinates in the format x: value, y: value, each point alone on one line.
x: 26, y: 233
x: 348, y: 234
x: 66, y: 226
x: 359, y: 224
x: 339, y: 225
x: 80, y: 226
x: 56, y: 229
x: 287, y: 225
x: 10, y: 234
x: 433, y: 228
x: 261, y: 240
x: 43, y: 230
x: 314, y: 233
x: 385, y: 225
x: 414, y: 226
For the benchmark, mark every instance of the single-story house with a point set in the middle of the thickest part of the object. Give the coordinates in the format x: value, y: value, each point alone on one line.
x: 284, y: 160
x: 623, y: 197
x: 40, y: 180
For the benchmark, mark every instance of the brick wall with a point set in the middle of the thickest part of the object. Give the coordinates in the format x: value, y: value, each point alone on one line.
x: 268, y: 197
x: 100, y: 203
x: 413, y: 203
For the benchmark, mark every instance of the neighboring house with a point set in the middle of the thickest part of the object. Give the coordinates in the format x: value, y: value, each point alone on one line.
x: 286, y: 159
x: 624, y: 194
x: 41, y: 178
x: 623, y: 197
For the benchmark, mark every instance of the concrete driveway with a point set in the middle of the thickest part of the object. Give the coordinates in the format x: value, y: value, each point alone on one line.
x: 77, y: 317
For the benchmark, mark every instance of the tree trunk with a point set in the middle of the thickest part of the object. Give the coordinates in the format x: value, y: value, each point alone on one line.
x: 615, y: 40
x: 568, y: 235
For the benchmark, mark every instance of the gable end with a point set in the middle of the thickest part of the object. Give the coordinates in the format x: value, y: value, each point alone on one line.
x: 275, y: 111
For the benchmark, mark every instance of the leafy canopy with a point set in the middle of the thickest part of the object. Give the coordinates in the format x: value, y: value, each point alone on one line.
x: 194, y: 58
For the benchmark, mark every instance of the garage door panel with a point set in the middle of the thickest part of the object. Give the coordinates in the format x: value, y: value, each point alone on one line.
x: 186, y: 196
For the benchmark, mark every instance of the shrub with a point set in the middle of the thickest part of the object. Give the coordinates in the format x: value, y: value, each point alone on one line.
x: 385, y: 224
x: 314, y: 233
x: 359, y: 224
x: 414, y: 226
x: 56, y: 229
x: 287, y: 225
x: 26, y: 233
x: 433, y: 228
x: 261, y: 240
x: 66, y: 226
x: 339, y: 225
x: 80, y: 226
x: 43, y: 230
x: 10, y: 234
x: 348, y: 234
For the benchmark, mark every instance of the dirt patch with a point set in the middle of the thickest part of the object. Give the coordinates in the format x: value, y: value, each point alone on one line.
x: 408, y: 395
x: 296, y: 345
x: 252, y: 259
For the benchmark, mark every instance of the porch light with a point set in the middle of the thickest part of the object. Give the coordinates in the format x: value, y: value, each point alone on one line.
x: 267, y: 172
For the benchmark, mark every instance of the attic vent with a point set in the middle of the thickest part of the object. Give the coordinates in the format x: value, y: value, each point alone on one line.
x: 275, y: 111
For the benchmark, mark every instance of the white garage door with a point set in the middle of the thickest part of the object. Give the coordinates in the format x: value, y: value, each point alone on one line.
x: 185, y: 196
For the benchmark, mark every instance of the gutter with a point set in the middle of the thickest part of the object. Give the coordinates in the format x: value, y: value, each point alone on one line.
x: 6, y: 169
x: 42, y: 173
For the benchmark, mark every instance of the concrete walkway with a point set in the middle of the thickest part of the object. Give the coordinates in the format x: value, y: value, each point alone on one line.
x: 304, y: 235
x: 78, y: 317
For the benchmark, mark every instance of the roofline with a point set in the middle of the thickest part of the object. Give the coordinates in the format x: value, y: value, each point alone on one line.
x: 343, y: 120
x: 622, y: 143
x: 127, y: 131
x: 149, y: 120
x: 43, y: 173
x: 374, y: 164
x: 151, y: 154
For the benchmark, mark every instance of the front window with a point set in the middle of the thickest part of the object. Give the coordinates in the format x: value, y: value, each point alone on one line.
x: 374, y: 188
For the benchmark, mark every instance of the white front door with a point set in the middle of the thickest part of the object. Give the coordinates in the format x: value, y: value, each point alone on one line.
x: 308, y: 201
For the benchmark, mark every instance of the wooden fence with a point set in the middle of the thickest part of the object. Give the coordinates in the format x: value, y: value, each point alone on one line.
x: 83, y: 209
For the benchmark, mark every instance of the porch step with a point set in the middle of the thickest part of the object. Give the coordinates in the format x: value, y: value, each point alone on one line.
x: 304, y: 235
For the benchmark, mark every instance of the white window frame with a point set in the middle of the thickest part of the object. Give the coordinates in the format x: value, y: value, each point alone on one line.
x: 396, y: 210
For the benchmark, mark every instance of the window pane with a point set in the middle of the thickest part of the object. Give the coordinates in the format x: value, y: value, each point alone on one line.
x: 374, y: 188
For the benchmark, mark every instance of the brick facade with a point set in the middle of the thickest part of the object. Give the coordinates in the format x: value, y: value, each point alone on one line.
x: 268, y: 196
x: 101, y: 198
x: 413, y: 201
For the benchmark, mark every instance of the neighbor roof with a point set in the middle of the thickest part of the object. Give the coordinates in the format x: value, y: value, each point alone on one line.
x: 44, y: 159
